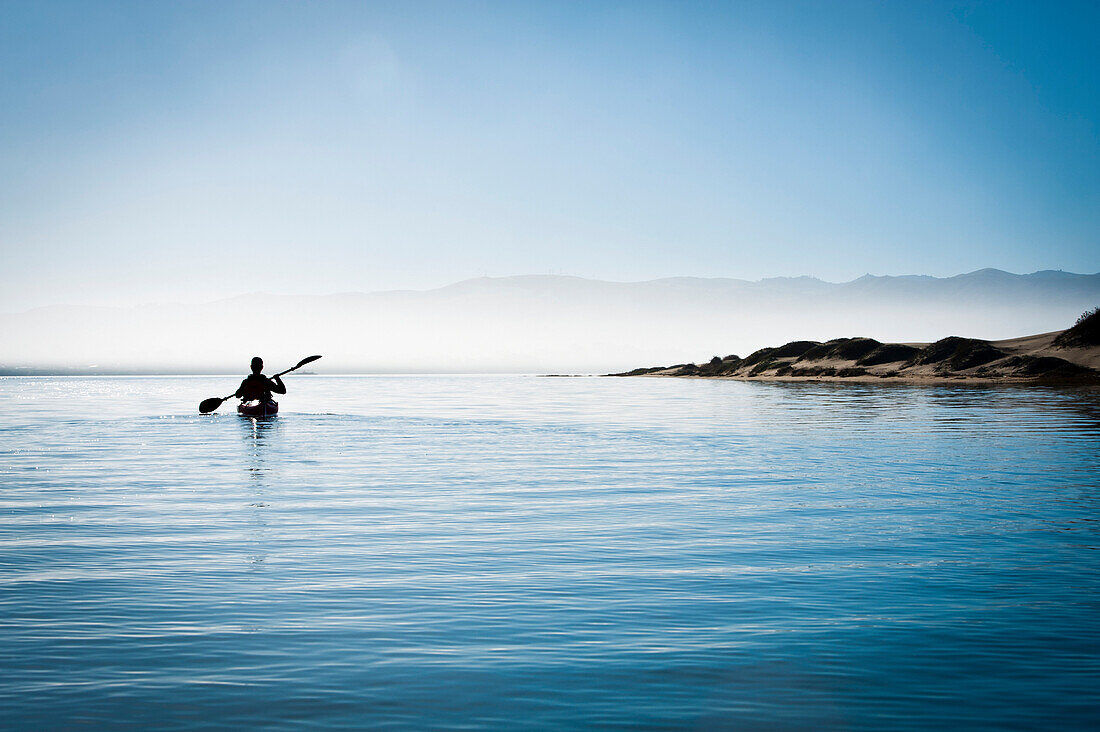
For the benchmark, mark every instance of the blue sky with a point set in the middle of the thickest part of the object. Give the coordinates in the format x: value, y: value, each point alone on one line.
x: 187, y: 151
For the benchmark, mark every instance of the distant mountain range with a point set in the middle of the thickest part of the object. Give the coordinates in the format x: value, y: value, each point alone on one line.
x: 536, y: 323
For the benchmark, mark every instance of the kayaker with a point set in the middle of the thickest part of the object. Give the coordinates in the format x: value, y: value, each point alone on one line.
x: 257, y: 387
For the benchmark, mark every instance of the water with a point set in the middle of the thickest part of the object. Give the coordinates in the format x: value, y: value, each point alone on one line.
x: 500, y: 552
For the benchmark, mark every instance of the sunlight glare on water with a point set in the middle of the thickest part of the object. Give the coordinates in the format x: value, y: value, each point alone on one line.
x: 507, y: 551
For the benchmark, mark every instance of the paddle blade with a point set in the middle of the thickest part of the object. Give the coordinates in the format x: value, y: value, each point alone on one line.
x: 307, y: 359
x: 209, y: 405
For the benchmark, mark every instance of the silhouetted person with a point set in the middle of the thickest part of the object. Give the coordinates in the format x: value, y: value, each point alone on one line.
x: 257, y: 387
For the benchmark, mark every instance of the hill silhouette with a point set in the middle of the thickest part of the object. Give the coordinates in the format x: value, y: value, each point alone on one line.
x: 535, y: 323
x: 1070, y: 355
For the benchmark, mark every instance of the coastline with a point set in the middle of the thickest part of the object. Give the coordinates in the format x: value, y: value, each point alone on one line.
x: 867, y: 379
x: 1070, y: 356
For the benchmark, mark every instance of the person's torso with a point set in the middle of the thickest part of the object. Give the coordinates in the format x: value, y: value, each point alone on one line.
x: 257, y: 387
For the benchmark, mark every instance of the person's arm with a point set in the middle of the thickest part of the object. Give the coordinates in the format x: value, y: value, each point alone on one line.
x: 240, y: 389
x: 277, y: 385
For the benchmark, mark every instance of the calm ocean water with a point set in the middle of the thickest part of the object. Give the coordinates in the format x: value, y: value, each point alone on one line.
x: 518, y: 552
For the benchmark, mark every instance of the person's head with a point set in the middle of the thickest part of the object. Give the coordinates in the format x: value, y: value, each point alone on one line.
x: 257, y: 365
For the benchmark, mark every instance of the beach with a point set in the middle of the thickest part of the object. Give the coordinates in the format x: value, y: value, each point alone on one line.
x: 1064, y: 356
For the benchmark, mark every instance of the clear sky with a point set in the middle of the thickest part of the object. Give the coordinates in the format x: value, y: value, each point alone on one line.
x: 154, y: 151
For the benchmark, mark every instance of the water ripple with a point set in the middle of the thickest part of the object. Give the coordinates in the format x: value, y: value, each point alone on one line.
x: 485, y: 552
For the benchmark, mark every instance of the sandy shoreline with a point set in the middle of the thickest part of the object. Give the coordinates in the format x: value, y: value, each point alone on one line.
x: 911, y: 380
x: 1069, y: 356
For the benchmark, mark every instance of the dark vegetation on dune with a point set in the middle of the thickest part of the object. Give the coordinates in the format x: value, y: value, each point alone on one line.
x: 794, y: 348
x: 953, y: 356
x: 1084, y: 333
x: 889, y: 353
x: 841, y: 349
x: 1045, y: 366
x: 956, y: 354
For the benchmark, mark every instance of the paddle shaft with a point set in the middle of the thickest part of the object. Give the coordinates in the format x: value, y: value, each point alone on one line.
x: 282, y: 373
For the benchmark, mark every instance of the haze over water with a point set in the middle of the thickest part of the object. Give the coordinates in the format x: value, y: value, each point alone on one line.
x: 505, y: 551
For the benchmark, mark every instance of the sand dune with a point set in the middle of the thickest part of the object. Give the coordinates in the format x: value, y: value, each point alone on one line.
x: 1071, y: 355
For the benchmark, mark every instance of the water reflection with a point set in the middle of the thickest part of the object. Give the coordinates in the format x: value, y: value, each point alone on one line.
x: 261, y: 435
x: 571, y: 553
x: 260, y: 461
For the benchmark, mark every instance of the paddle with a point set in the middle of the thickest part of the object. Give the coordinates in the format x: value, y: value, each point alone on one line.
x: 209, y: 405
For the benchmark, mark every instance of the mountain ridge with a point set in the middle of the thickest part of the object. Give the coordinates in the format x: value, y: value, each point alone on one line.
x: 977, y: 275
x: 537, y: 323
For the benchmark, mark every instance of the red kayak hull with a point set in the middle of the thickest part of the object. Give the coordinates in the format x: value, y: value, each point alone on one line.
x: 258, y: 409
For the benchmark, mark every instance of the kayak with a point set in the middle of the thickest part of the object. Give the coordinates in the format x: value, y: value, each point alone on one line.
x: 258, y: 409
